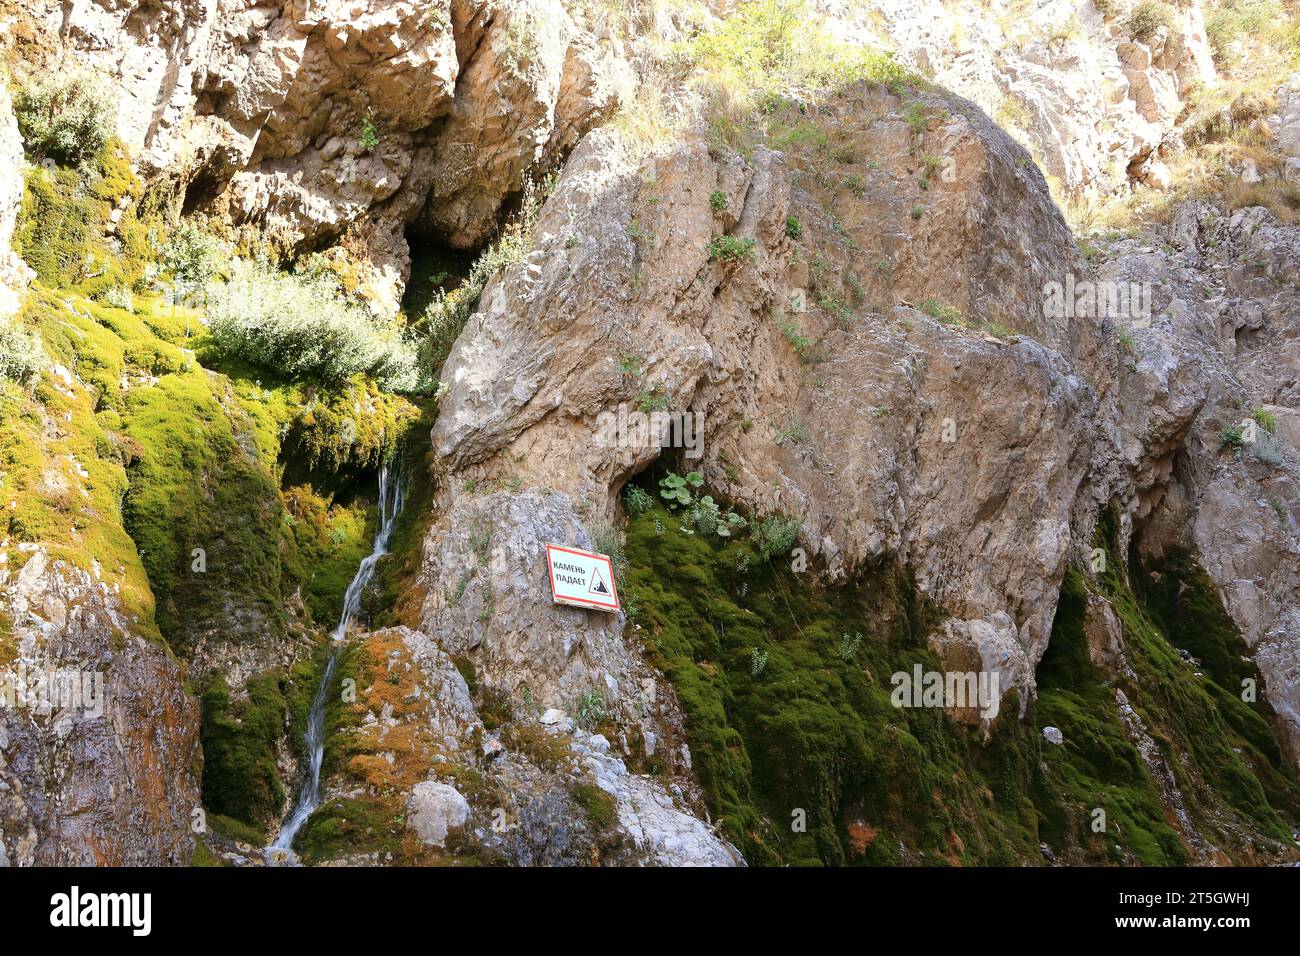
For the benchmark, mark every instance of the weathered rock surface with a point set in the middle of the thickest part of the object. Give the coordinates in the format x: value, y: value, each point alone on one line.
x: 980, y: 459
x: 111, y: 779
x: 537, y: 777
x: 435, y: 810
x: 953, y: 450
x: 324, y: 123
x: 1096, y: 105
x: 1224, y: 344
x: 14, y: 273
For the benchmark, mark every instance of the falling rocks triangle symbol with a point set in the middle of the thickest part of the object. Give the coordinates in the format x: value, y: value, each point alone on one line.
x: 597, y: 585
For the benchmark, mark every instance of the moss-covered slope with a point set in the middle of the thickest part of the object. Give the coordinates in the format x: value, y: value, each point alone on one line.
x: 789, y: 718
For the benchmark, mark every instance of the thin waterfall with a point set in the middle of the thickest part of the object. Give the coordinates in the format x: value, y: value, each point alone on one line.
x: 391, y: 493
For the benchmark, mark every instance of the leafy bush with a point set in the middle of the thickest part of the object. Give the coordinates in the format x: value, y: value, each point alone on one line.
x: 731, y: 249
x: 369, y: 134
x: 300, y: 326
x: 793, y: 229
x: 1232, y: 436
x: 1265, y: 419
x: 191, y: 255
x: 66, y: 117
x: 638, y: 501
x: 776, y: 535
x: 21, y: 354
x: 1148, y: 17
x: 717, y: 200
x: 947, y: 314
x: 708, y: 518
x: 676, y: 490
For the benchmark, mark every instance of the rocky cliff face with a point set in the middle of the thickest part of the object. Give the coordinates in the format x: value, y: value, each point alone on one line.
x: 320, y: 123
x: 856, y: 312
x: 1097, y: 99
x: 99, y: 739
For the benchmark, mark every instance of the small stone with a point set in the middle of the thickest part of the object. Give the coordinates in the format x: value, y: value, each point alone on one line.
x: 1054, y: 735
x: 553, y: 717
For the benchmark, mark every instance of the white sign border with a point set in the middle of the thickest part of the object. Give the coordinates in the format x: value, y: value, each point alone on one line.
x: 584, y: 603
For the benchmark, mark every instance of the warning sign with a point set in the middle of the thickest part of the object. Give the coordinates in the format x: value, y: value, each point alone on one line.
x: 581, y: 578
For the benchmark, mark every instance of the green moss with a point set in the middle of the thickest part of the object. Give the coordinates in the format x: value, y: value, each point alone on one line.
x: 394, y: 594
x: 323, y: 544
x: 1097, y: 767
x: 352, y: 429
x: 600, y: 807
x: 65, y: 214
x: 350, y: 825
x: 240, y: 777
x: 204, y: 857
x: 62, y: 465
x: 235, y: 830
x: 814, y: 736
x: 1220, y: 748
x: 814, y: 733
x: 199, y: 484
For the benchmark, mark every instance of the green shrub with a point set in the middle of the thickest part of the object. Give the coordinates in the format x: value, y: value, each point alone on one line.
x: 717, y: 200
x: 21, y: 354
x: 1233, y: 436
x: 947, y: 314
x: 66, y: 117
x: 794, y: 334
x: 369, y: 134
x: 676, y: 490
x: 731, y: 249
x: 301, y: 327
x: 638, y: 501
x: 191, y: 255
x: 1148, y: 17
x: 240, y: 776
x: 793, y: 229
x: 1265, y: 420
x: 777, y: 535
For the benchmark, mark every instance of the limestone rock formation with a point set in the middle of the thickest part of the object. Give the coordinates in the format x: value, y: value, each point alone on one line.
x: 98, y: 737
x: 542, y: 790
x: 1096, y: 104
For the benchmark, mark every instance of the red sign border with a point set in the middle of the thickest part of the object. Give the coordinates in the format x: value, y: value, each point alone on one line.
x: 579, y: 602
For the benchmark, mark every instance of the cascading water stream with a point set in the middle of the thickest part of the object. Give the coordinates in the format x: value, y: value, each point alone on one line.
x: 391, y: 492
